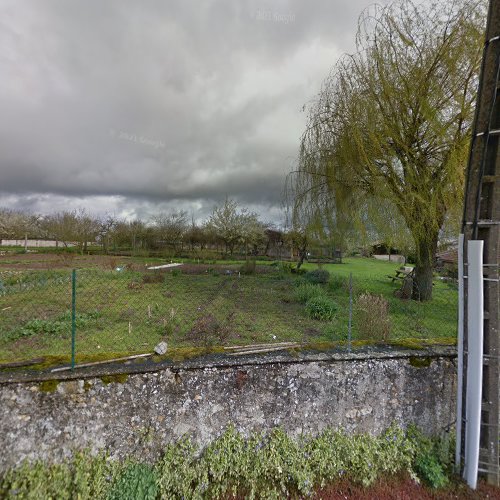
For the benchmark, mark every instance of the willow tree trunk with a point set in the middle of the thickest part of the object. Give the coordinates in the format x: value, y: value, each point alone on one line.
x: 426, y: 247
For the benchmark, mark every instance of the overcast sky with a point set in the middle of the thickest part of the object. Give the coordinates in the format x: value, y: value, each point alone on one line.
x: 132, y: 107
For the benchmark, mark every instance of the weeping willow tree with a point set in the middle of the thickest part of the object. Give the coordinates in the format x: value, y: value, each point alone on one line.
x: 313, y: 214
x: 392, y: 123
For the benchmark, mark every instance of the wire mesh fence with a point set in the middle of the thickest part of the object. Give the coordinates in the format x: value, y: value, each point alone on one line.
x: 92, y: 314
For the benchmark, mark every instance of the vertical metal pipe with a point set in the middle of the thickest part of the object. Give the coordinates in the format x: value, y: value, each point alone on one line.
x: 73, y: 318
x: 349, y: 327
x: 475, y: 326
x: 460, y: 370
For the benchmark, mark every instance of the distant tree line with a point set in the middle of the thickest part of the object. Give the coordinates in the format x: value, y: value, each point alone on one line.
x: 229, y: 230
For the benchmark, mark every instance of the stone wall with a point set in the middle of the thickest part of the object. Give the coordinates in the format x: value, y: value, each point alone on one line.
x: 138, y: 414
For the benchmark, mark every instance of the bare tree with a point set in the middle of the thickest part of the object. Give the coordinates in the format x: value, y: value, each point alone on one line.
x: 225, y: 223
x: 105, y: 228
x: 76, y: 226
x: 17, y: 224
x: 170, y: 227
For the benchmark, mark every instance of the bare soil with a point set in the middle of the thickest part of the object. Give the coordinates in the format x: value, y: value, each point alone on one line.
x: 404, y: 488
x: 41, y: 261
x: 44, y: 261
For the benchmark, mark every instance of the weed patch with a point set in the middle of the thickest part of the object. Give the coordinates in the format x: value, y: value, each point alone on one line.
x: 372, y: 314
x: 318, y: 276
x: 306, y: 291
x: 321, y: 308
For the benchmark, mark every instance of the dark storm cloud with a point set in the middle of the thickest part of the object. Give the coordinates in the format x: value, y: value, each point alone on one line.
x: 131, y: 106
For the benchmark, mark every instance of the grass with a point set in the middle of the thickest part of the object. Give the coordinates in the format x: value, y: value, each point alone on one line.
x: 122, y: 311
x: 118, y: 312
x: 436, y: 318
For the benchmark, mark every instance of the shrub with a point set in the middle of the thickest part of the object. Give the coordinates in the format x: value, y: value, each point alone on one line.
x: 372, y: 315
x: 272, y: 465
x: 178, y: 471
x: 451, y: 271
x: 306, y: 291
x: 432, y: 456
x: 283, y: 268
x: 317, y: 276
x: 321, y: 307
x: 85, y: 476
x: 136, y: 481
x: 430, y: 470
x: 263, y: 465
x: 248, y: 267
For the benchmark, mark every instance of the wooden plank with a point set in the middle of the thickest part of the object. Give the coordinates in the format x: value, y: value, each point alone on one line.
x: 95, y: 363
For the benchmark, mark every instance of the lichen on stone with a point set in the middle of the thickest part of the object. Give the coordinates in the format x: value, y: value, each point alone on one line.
x: 119, y: 378
x: 48, y: 385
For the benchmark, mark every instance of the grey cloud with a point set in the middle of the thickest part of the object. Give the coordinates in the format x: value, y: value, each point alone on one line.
x: 132, y: 105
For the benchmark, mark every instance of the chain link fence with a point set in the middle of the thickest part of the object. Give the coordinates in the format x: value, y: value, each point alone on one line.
x: 87, y: 315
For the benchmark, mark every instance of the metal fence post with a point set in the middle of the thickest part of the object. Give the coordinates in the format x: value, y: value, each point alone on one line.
x: 349, y: 327
x: 73, y: 318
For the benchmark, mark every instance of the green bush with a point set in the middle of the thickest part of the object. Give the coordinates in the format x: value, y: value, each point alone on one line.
x: 321, y: 307
x: 432, y: 457
x: 319, y: 276
x: 430, y: 470
x: 85, y: 476
x: 306, y: 291
x: 283, y: 268
x: 178, y: 471
x: 136, y: 481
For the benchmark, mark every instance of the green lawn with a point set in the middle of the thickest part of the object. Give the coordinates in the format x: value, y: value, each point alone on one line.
x: 120, y: 312
x: 433, y: 319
